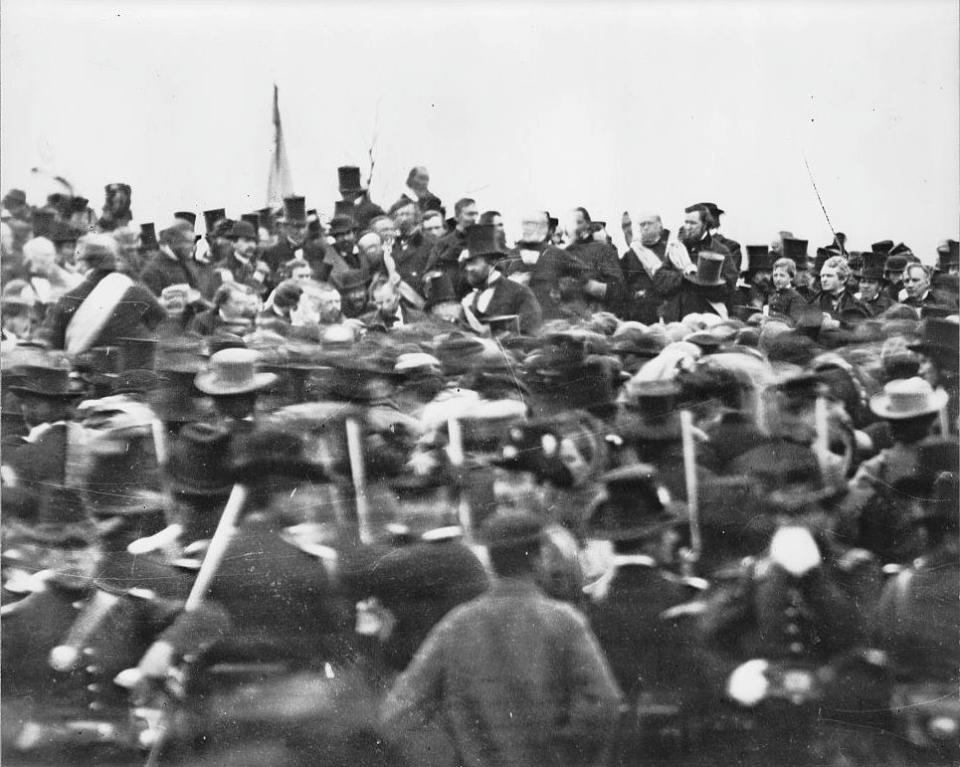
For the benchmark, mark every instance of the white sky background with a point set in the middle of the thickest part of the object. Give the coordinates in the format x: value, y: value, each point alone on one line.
x: 618, y: 105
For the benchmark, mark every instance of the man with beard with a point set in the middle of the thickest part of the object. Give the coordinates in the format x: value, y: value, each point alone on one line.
x: 493, y: 294
x: 871, y: 294
x: 344, y: 255
x: 390, y: 311
x: 643, y: 259
x: 293, y: 243
x: 604, y: 278
x: 418, y: 192
x: 541, y: 266
x: 446, y: 252
x: 352, y: 284
x: 235, y: 306
x: 759, y: 278
x: 411, y: 249
x: 697, y: 237
x: 171, y: 265
x: 116, y: 208
x: 731, y: 245
x: 240, y: 264
x: 355, y: 198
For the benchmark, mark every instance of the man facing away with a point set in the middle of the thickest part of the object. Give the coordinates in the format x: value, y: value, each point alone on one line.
x: 515, y: 677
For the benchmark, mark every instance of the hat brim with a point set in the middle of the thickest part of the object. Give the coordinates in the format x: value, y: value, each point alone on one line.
x: 28, y: 392
x: 695, y: 279
x: 209, y: 384
x: 880, y: 406
x: 673, y: 515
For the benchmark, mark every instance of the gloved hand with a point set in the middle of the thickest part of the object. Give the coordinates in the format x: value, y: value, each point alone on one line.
x: 748, y: 684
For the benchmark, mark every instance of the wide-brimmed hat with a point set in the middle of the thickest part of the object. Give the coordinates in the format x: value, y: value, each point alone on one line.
x: 635, y: 506
x: 907, y: 398
x: 655, y: 405
x: 46, y: 382
x: 637, y: 342
x: 709, y: 267
x: 199, y: 461
x: 233, y: 371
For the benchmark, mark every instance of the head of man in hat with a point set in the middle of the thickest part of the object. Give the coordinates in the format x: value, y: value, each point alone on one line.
x: 243, y: 239
x: 46, y: 392
x: 233, y: 382
x: 343, y: 230
x: 294, y: 226
x: 910, y: 406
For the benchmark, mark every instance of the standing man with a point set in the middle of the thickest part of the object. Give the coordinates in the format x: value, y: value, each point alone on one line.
x: 353, y: 194
x: 731, y: 245
x: 417, y: 191
x: 292, y: 242
x: 171, y: 264
x: 604, y: 278
x: 411, y: 249
x: 106, y: 307
x: 493, y: 294
x: 514, y: 677
x: 446, y: 252
x: 543, y: 267
x: 644, y: 257
x: 696, y: 235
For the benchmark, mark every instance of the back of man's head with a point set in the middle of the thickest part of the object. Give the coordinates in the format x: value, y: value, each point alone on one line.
x: 513, y: 542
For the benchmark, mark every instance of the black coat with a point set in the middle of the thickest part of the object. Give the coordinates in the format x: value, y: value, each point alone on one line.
x: 545, y: 277
x: 509, y: 297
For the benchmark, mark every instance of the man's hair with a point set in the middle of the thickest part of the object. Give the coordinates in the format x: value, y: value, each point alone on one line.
x: 225, y: 291
x: 519, y: 559
x: 462, y: 203
x: 413, y: 172
x: 706, y: 217
x: 295, y: 263
x: 432, y: 214
x: 840, y: 264
x: 488, y: 216
x: 787, y: 264
x: 402, y: 203
x: 585, y: 213
x: 377, y: 220
x: 921, y: 267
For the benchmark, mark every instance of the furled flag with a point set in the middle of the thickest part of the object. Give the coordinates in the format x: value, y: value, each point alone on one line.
x: 280, y: 183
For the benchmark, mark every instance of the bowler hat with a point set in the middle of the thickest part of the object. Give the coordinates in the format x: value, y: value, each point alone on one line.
x: 212, y: 217
x: 635, y: 506
x: 511, y: 530
x: 233, y: 371
x: 148, y: 237
x: 198, y: 462
x: 46, y: 382
x: 294, y: 210
x: 242, y: 230
x: 15, y: 198
x: 348, y: 177
x: 342, y: 225
x: 709, y: 267
x: 482, y: 241
x: 907, y: 398
x: 883, y: 246
x: 895, y: 264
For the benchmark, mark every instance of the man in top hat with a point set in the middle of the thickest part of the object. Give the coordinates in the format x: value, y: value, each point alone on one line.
x: 647, y: 252
x: 940, y: 345
x: 293, y: 239
x: 353, y: 194
x: 492, y: 668
x: 650, y: 654
x: 948, y: 257
x: 872, y: 283
x: 441, y: 300
x: 105, y: 307
x: 494, y: 294
x: 344, y: 254
x: 544, y: 268
x: 173, y: 262
x: 603, y: 286
x: 754, y: 289
x: 893, y: 268
x: 417, y: 191
x: 446, y: 252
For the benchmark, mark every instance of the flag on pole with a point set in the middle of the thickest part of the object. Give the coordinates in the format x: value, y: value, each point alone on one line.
x: 280, y: 182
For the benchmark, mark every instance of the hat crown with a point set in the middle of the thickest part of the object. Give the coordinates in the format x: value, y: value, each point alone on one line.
x: 234, y: 366
x: 908, y: 395
x: 349, y: 178
x: 482, y: 240
x: 294, y: 209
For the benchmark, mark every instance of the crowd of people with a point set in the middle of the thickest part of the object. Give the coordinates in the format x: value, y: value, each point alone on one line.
x: 387, y: 489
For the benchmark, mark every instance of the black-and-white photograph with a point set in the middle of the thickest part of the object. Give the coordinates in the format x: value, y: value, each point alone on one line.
x: 480, y: 384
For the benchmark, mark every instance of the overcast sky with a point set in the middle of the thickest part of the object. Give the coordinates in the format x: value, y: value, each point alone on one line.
x: 643, y: 106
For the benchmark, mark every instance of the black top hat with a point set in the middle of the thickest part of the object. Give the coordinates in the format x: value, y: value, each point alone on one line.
x: 795, y: 250
x: 253, y: 219
x: 43, y: 221
x: 759, y: 258
x: 938, y: 335
x: 349, y: 178
x: 198, y: 463
x: 137, y: 353
x: 895, y: 264
x: 948, y: 254
x: 212, y: 217
x: 884, y: 246
x: 438, y: 289
x: 349, y: 279
x: 482, y: 241
x: 635, y: 507
x: 344, y: 208
x: 294, y: 210
x: 46, y: 382
x: 855, y: 262
x: 187, y: 216
x: 709, y: 266
x: 148, y: 237
x: 243, y: 230
x: 873, y: 264
x: 342, y: 225
x: 267, y: 218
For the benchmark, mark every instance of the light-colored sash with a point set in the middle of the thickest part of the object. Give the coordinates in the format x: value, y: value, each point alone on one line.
x: 95, y: 312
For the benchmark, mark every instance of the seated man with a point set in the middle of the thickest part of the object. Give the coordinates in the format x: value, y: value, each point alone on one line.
x: 234, y: 308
